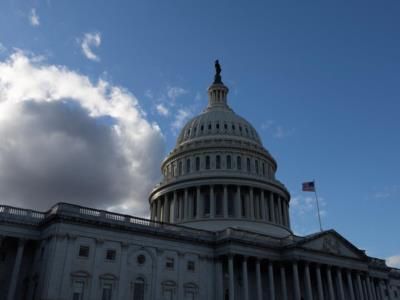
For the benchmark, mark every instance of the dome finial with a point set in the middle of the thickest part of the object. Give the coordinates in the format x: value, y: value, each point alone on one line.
x: 217, y: 77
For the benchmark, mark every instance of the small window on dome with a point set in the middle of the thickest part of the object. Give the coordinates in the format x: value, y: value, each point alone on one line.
x: 188, y: 132
x: 263, y: 169
x: 218, y: 162
x: 225, y: 126
x: 188, y: 165
x: 195, y: 129
x: 248, y: 165
x: 217, y: 125
x: 180, y: 168
x: 247, y: 130
x: 256, y: 166
x: 239, y: 163
x: 233, y: 126
x: 240, y: 129
x: 197, y: 163
x: 209, y: 126
x: 202, y: 127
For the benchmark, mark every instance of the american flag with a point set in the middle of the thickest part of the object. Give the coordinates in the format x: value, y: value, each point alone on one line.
x: 309, y: 186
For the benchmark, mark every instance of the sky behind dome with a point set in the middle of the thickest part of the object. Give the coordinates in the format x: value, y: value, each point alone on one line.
x: 101, y: 89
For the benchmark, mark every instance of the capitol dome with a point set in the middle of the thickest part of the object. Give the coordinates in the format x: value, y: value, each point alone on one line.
x: 219, y: 175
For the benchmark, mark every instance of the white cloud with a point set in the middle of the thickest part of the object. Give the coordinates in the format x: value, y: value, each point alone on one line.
x: 276, y: 130
x: 64, y: 138
x: 2, y: 48
x: 149, y: 94
x: 387, y: 192
x: 393, y: 261
x: 34, y: 18
x: 162, y: 110
x: 174, y: 92
x: 181, y: 117
x: 90, y: 40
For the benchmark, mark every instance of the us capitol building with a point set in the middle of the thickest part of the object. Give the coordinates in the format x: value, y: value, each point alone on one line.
x: 219, y: 229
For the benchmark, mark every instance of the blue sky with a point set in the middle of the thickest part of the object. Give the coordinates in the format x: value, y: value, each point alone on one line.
x: 319, y: 81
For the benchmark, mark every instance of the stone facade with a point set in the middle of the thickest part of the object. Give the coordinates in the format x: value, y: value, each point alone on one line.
x: 219, y: 229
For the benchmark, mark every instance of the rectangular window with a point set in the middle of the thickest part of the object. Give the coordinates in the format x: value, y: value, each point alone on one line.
x: 169, y: 263
x: 218, y: 162
x: 84, y: 251
x: 248, y: 165
x: 257, y: 167
x: 188, y: 165
x: 239, y: 163
x: 190, y: 265
x: 111, y: 254
x: 228, y: 162
x: 197, y: 163
x: 208, y: 164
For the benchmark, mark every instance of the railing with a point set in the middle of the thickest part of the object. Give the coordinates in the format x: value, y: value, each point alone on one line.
x: 26, y: 216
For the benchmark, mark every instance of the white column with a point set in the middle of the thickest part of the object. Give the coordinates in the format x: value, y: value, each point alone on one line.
x: 256, y: 207
x: 245, y: 279
x: 340, y: 283
x: 186, y: 206
x: 330, y: 283
x: 296, y: 281
x: 272, y: 207
x: 190, y: 204
x: 283, y: 283
x: 271, y: 280
x: 174, y: 207
x: 238, y: 204
x: 382, y: 292
x: 280, y: 218
x: 200, y: 209
x: 212, y: 202
x: 319, y: 283
x: 166, y: 208
x: 390, y: 294
x: 251, y: 203
x: 308, y: 281
x: 369, y: 288
x: 350, y: 284
x: 231, y: 278
x: 359, y: 287
x: 373, y: 285
x: 262, y: 200
x: 258, y: 278
x: 16, y: 268
x: 225, y: 201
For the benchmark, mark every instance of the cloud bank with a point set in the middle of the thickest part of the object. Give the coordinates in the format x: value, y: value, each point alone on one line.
x: 64, y: 138
x: 90, y: 40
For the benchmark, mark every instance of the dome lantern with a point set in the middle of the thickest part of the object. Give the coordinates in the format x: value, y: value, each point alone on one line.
x: 217, y: 92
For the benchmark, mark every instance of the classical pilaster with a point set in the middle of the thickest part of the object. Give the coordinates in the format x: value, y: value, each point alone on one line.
x: 238, y: 206
x: 283, y: 283
x: 231, y: 278
x: 200, y: 203
x: 350, y: 284
x: 122, y: 283
x: 16, y: 269
x: 258, y: 278
x: 190, y: 204
x: 212, y: 202
x: 98, y: 257
x: 319, y: 282
x: 225, y: 201
x: 158, y: 215
x: 330, y: 283
x: 296, y: 281
x: 381, y: 291
x: 245, y: 279
x: 308, y: 281
x: 271, y: 280
x: 340, y: 283
x: 373, y: 285
x: 65, y: 279
x: 251, y: 203
x: 219, y: 290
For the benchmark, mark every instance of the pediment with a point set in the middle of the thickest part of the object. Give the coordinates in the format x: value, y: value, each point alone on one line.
x: 333, y: 243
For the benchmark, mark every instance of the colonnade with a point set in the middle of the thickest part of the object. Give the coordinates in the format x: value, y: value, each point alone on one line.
x: 295, y: 280
x: 225, y: 201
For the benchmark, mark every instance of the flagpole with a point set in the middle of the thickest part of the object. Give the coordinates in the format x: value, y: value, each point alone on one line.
x: 316, y: 198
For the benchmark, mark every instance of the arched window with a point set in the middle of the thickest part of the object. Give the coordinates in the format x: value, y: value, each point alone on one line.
x: 197, y: 163
x: 228, y: 162
x: 256, y: 166
x: 248, y: 165
x: 218, y: 162
x: 138, y: 289
x: 208, y: 165
x: 188, y: 165
x: 239, y: 163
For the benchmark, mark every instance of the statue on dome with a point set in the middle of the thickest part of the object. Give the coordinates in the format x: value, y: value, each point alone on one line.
x: 217, y: 77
